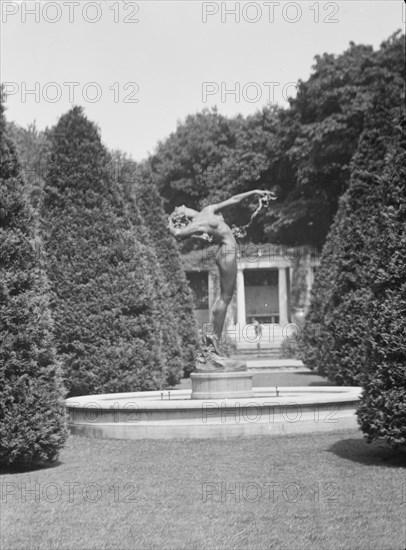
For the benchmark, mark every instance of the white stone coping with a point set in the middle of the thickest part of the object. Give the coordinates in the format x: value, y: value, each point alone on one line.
x: 181, y: 399
x: 221, y: 375
x: 275, y: 363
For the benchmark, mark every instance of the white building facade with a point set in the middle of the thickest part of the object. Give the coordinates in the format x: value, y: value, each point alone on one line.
x: 273, y: 291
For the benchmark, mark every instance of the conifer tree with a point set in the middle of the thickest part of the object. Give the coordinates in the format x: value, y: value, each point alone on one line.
x: 382, y: 413
x: 32, y: 418
x: 354, y: 332
x: 171, y: 340
x: 106, y: 315
x: 336, y: 332
x: 180, y: 299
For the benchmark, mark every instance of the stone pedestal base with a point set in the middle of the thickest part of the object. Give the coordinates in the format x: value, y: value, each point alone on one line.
x: 221, y: 385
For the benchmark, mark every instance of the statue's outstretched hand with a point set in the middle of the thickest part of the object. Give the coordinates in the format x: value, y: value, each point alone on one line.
x: 268, y: 194
x: 179, y: 210
x: 265, y: 197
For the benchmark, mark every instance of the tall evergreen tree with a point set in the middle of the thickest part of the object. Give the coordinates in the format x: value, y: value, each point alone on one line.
x: 336, y: 337
x: 106, y: 314
x: 179, y: 299
x: 171, y: 339
x: 33, y: 149
x: 382, y: 413
x: 32, y: 418
x: 355, y: 328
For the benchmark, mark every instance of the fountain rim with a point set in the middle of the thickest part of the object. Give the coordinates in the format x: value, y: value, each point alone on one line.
x: 181, y: 399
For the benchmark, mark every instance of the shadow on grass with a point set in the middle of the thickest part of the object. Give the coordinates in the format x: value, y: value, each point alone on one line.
x: 25, y: 468
x: 371, y: 454
x: 320, y: 382
x: 292, y: 378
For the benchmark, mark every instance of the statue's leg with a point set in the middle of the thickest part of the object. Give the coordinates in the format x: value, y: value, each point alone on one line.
x: 227, y: 264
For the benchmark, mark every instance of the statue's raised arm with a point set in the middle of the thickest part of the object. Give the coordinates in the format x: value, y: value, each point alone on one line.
x: 236, y: 199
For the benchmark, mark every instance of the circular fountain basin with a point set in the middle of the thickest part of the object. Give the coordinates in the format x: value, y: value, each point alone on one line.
x: 174, y: 414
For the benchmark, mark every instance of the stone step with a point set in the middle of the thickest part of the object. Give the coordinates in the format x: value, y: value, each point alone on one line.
x: 272, y: 364
x: 244, y: 347
x: 274, y: 353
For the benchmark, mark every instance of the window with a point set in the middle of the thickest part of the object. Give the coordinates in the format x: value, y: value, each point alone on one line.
x: 261, y: 277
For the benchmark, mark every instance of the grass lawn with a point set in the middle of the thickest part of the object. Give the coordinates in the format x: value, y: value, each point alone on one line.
x: 324, y: 491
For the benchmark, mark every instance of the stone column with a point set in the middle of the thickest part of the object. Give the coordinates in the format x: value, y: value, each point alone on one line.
x: 309, y: 284
x: 283, y: 297
x: 240, y: 298
x: 211, y: 290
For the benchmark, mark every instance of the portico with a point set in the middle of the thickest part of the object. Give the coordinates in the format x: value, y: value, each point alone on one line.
x: 263, y: 290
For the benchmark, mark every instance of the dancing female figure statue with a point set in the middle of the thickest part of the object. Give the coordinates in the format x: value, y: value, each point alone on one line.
x: 209, y: 225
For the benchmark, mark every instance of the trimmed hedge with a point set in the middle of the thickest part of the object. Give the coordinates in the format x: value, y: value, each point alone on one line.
x: 32, y: 418
x: 107, y: 319
x: 335, y: 335
x: 382, y: 412
x: 171, y: 340
x: 353, y: 331
x: 180, y: 300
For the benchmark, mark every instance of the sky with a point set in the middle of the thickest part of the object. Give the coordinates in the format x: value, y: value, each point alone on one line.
x: 139, y: 68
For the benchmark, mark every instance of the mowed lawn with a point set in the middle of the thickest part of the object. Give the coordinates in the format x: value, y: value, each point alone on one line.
x: 325, y: 491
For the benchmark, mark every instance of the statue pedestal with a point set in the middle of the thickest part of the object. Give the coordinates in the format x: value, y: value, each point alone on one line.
x: 221, y: 385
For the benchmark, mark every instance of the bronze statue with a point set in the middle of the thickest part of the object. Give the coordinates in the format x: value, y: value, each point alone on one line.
x: 209, y: 225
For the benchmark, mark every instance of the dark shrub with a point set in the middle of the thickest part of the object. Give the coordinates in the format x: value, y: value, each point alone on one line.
x: 335, y: 335
x: 179, y: 299
x: 32, y: 419
x: 171, y: 339
x: 107, y: 321
x: 354, y: 332
x: 382, y: 413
